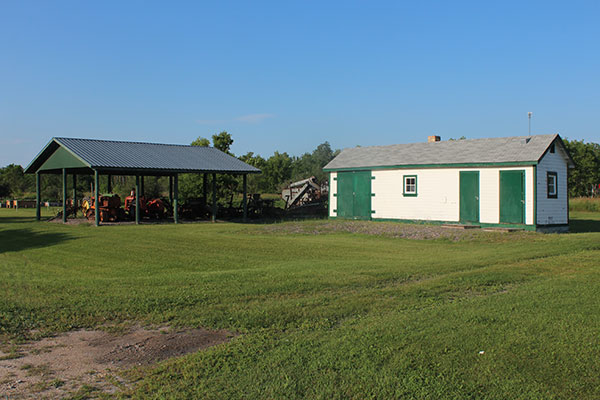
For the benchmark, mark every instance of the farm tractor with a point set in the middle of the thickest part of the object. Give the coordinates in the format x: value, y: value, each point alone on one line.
x: 110, y: 208
x: 153, y: 208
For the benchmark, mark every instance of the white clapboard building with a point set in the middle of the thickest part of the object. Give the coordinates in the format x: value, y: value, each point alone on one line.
x: 498, y: 182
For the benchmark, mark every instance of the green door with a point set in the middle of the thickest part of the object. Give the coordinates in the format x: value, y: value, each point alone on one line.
x: 512, y: 197
x: 469, y: 196
x: 345, y: 194
x: 354, y: 194
x: 362, y: 194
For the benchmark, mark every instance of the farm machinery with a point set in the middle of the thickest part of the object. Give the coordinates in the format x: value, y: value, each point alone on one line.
x: 306, y: 197
x: 195, y: 208
x: 111, y: 211
x: 109, y: 207
x: 153, y: 208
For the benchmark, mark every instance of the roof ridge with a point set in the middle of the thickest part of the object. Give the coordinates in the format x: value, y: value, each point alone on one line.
x: 452, y: 141
x: 508, y: 149
x: 129, y: 141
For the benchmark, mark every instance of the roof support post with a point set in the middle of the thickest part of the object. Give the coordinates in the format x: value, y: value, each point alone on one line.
x: 137, y: 199
x: 64, y: 195
x: 75, y: 195
x: 142, y: 186
x: 96, y: 198
x: 245, y: 199
x: 109, y: 184
x: 176, y: 198
x: 214, y: 197
x: 205, y: 188
x: 171, y: 190
x: 38, y: 201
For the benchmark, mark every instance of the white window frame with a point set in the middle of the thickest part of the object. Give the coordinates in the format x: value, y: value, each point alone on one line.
x: 552, y: 176
x: 409, y: 189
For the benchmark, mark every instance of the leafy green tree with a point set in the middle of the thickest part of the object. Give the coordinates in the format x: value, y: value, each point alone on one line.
x: 51, y: 187
x: 223, y: 142
x: 14, y: 180
x: 586, y: 173
x: 227, y: 185
x: 201, y: 141
x: 4, y: 190
x: 190, y: 185
x: 256, y: 182
x: 311, y: 164
x: 277, y: 171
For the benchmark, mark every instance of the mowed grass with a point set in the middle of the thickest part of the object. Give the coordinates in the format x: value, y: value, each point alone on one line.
x: 335, y: 315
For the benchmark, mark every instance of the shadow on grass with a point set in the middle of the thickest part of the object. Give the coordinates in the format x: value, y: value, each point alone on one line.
x: 584, y: 225
x: 23, y: 239
x: 18, y: 220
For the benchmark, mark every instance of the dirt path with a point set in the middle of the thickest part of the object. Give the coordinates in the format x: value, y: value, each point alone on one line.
x: 90, y: 360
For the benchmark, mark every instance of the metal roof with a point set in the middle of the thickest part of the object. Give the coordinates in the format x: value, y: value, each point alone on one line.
x: 514, y: 150
x: 121, y: 156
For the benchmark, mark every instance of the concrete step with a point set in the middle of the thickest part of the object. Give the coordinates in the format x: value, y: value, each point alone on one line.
x: 460, y: 226
x: 500, y: 229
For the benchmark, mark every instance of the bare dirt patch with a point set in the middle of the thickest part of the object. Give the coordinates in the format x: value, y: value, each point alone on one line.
x: 391, y: 229
x: 91, y: 360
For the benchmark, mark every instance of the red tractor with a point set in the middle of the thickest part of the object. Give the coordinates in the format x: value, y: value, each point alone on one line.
x: 153, y: 208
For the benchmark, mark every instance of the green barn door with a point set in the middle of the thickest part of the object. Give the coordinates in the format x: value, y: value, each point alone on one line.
x: 512, y: 197
x: 345, y: 194
x: 469, y: 196
x: 354, y: 194
x: 362, y: 195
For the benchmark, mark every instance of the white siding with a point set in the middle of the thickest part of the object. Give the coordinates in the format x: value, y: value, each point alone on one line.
x: 332, y: 191
x: 489, y: 189
x: 436, y: 200
x: 552, y: 211
x: 489, y: 195
x: 438, y: 194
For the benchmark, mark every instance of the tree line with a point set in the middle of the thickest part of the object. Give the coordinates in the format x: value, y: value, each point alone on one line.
x: 278, y: 170
x: 585, y: 177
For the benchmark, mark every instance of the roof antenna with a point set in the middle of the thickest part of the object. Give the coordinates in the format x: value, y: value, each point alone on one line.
x: 529, y: 114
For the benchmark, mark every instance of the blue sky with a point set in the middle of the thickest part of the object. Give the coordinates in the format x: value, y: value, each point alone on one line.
x: 287, y: 76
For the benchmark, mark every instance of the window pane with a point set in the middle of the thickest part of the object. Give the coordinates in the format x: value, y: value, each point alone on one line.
x: 552, y: 181
x: 410, y: 185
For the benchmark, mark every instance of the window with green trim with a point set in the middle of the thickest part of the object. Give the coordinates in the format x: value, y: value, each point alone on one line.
x: 552, y: 184
x: 410, y: 185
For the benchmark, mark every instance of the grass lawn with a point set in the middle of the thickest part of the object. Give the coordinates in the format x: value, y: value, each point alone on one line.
x: 330, y: 315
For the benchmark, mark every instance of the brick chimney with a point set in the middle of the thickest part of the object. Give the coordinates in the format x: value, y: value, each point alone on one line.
x: 433, y: 139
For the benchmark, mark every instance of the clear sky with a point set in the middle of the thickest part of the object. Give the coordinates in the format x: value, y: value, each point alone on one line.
x: 288, y: 76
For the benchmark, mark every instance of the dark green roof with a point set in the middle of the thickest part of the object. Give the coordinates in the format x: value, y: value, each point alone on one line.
x: 121, y: 157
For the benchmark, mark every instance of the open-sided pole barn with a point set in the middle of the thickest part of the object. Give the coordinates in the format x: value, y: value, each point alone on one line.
x: 71, y: 156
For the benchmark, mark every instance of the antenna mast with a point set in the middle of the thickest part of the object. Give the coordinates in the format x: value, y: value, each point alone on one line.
x: 529, y: 114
